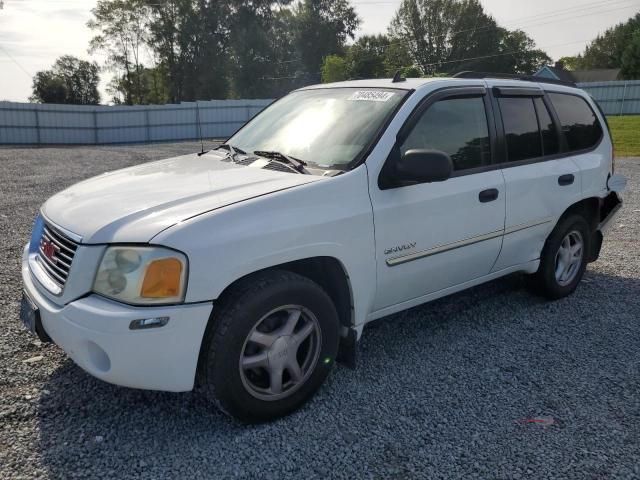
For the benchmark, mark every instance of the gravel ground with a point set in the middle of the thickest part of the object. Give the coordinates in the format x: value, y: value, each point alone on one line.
x: 490, y: 383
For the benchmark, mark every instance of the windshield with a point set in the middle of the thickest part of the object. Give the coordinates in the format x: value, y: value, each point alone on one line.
x: 325, y: 127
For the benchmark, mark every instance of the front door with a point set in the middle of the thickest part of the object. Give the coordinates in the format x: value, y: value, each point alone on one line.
x: 431, y: 236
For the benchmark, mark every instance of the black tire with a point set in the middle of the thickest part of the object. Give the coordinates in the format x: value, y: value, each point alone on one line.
x: 233, y: 321
x: 544, y: 280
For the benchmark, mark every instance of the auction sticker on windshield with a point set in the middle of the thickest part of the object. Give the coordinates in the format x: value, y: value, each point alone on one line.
x: 371, y: 96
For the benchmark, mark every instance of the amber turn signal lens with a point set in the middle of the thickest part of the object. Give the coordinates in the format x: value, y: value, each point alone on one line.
x: 162, y: 279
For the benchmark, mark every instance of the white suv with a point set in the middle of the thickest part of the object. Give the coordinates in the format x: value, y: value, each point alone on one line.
x: 251, y: 268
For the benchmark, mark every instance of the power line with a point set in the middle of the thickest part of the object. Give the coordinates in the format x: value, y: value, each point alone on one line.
x: 26, y: 72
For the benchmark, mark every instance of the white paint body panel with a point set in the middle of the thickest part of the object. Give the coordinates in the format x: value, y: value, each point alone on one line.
x: 232, y: 220
x: 134, y: 204
x: 534, y: 196
x: 432, y: 215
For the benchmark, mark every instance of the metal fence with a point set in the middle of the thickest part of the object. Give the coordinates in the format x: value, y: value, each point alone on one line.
x: 616, y: 98
x: 34, y: 124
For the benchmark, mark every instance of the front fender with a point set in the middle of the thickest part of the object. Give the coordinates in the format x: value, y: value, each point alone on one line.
x: 329, y: 218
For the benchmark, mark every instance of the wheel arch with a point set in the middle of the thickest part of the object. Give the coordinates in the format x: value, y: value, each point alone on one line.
x: 589, y: 208
x: 328, y: 272
x: 332, y: 276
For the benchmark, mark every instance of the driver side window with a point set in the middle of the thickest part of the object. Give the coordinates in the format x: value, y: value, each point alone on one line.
x: 456, y: 126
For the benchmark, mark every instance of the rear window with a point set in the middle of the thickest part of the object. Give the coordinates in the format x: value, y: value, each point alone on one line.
x: 579, y: 123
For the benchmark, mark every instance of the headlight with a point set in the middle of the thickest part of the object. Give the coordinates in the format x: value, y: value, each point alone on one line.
x: 142, y: 275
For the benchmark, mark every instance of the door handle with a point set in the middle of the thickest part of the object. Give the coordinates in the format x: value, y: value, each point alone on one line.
x: 566, y: 179
x: 488, y: 195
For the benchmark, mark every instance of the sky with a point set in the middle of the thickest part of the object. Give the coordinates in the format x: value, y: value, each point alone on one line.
x: 33, y: 33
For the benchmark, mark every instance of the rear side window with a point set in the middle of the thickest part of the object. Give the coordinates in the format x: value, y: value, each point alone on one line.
x: 579, y: 124
x: 456, y: 126
x: 520, y: 128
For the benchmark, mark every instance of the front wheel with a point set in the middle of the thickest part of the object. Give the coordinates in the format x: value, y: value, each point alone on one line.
x: 269, y: 346
x: 564, y: 258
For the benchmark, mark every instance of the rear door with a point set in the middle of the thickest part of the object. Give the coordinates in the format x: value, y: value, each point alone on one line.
x: 541, y: 178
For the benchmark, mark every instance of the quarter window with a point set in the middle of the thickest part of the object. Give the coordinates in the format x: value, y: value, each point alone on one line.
x: 520, y: 128
x: 579, y: 124
x: 456, y: 126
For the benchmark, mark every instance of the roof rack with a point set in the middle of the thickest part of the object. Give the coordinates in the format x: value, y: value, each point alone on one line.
x: 510, y: 76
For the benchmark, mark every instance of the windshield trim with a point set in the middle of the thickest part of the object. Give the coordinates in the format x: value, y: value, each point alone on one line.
x: 366, y: 150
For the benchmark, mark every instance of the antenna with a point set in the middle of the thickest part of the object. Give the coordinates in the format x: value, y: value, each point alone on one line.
x: 397, y: 78
x: 202, y: 152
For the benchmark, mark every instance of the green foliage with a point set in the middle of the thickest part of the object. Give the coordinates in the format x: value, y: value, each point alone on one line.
x: 453, y: 35
x: 570, y: 63
x: 367, y: 57
x: 334, y: 69
x: 218, y: 49
x: 412, y: 72
x: 70, y: 80
x: 378, y: 56
x: 121, y: 34
x: 151, y: 87
x: 321, y: 28
x: 606, y: 50
x: 631, y: 58
x: 609, y: 50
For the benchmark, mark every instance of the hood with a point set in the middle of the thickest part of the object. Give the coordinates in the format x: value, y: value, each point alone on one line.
x: 135, y: 204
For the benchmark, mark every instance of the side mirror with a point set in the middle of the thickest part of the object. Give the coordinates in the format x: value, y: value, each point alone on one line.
x: 424, y: 166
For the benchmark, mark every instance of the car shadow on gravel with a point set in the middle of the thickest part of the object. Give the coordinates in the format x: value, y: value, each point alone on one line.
x: 88, y: 427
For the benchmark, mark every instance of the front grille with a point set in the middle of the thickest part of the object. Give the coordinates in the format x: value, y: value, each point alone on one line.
x: 55, y: 254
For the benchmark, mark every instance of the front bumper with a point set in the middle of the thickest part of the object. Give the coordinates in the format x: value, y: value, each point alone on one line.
x: 95, y: 333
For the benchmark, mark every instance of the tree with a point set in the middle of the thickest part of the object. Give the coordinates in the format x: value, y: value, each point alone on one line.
x: 516, y: 53
x: 366, y: 57
x: 453, y: 35
x: 570, y: 62
x: 152, y: 87
x: 122, y: 34
x: 631, y: 58
x: 398, y: 58
x: 322, y: 28
x: 190, y: 39
x: 70, y: 80
x: 334, y: 69
x: 607, y: 49
x: 438, y: 32
x: 262, y: 47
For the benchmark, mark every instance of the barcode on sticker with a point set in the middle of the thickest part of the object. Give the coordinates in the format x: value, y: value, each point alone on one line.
x: 371, y: 96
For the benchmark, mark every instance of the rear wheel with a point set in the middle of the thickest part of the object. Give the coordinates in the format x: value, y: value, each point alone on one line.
x: 564, y: 258
x: 269, y: 346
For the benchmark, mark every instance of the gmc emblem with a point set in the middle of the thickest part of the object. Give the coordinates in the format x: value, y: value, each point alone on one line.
x: 49, y: 250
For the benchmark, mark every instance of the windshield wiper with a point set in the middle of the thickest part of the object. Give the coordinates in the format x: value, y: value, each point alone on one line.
x: 296, y: 163
x: 233, y: 151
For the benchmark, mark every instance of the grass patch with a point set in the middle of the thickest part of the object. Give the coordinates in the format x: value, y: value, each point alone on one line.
x: 626, y: 135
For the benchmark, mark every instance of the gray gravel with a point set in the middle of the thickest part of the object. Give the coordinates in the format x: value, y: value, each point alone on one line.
x: 490, y: 383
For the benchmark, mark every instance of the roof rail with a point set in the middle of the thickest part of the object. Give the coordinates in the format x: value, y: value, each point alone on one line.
x: 511, y: 76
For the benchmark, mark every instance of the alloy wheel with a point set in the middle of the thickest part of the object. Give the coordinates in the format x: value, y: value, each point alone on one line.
x: 569, y: 258
x: 280, y: 352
